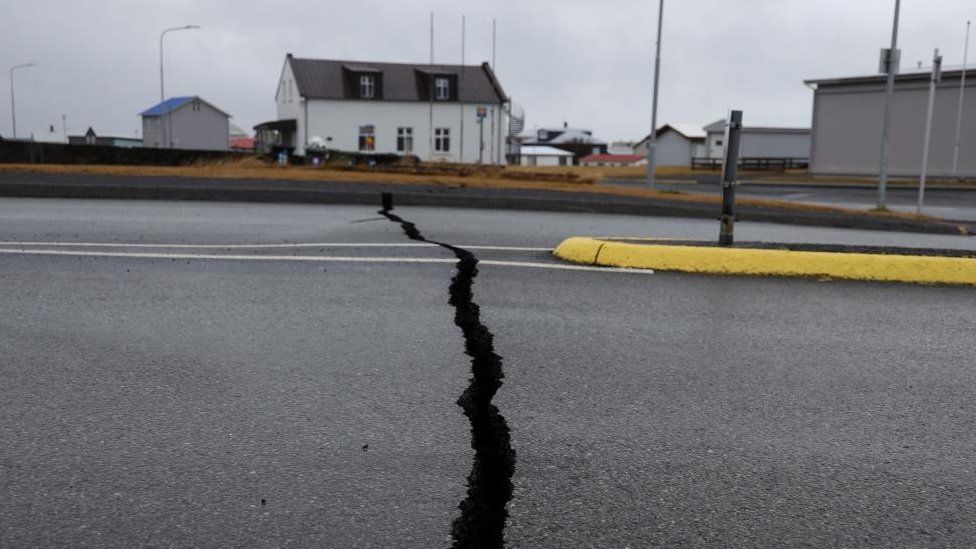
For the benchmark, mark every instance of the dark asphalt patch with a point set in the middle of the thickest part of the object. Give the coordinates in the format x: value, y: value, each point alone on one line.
x: 483, y: 511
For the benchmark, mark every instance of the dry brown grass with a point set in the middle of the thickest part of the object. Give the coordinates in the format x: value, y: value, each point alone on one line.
x: 260, y: 170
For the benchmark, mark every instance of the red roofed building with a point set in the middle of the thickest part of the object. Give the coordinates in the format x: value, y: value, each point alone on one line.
x: 242, y: 143
x: 613, y: 160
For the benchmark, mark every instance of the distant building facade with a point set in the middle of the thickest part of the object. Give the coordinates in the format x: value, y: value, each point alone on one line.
x: 677, y: 144
x: 578, y: 141
x: 91, y: 138
x: 187, y: 122
x: 447, y: 113
x: 848, y: 116
x: 759, y: 142
x: 542, y: 155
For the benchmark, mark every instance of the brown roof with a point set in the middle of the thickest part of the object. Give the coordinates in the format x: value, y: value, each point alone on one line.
x: 323, y: 79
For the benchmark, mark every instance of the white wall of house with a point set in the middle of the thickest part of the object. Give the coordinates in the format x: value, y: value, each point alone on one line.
x: 342, y: 119
x: 290, y: 106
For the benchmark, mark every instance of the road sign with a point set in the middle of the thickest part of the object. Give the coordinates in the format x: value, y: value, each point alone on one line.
x: 482, y: 113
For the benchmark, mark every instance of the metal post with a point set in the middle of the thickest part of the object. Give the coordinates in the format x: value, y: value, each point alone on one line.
x: 430, y: 124
x: 652, y: 140
x: 936, y: 76
x: 481, y: 145
x: 886, y: 127
x: 13, y: 106
x: 461, y: 99
x: 730, y: 168
x: 494, y: 138
x: 962, y: 95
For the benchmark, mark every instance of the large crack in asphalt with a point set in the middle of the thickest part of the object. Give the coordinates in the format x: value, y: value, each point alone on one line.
x: 483, y: 512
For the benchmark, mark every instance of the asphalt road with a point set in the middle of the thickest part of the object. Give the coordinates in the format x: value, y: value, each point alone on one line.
x: 944, y: 203
x: 206, y: 374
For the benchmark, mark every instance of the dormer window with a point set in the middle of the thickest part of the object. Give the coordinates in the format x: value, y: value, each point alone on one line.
x: 367, y: 87
x: 442, y: 87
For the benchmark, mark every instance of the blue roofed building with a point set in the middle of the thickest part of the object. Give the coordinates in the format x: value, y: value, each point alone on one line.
x: 186, y: 122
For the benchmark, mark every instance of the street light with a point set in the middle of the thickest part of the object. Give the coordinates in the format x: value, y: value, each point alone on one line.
x: 162, y: 92
x: 891, y: 67
x: 652, y: 139
x: 13, y: 106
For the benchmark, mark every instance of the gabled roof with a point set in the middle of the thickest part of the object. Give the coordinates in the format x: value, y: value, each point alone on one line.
x: 174, y: 103
x: 691, y: 132
x: 565, y: 136
x: 323, y: 79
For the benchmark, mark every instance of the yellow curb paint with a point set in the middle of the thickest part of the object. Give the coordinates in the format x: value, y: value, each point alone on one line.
x: 758, y: 262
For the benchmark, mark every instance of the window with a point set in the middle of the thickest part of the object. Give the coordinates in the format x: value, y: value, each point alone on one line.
x: 443, y: 88
x: 405, y: 140
x: 367, y: 138
x: 718, y: 142
x: 367, y: 87
x: 442, y: 140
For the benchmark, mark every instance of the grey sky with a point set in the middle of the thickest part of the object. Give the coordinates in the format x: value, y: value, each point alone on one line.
x: 581, y: 61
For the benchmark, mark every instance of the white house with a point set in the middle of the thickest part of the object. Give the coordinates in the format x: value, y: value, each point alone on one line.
x: 440, y: 113
x: 542, y: 155
x: 677, y: 144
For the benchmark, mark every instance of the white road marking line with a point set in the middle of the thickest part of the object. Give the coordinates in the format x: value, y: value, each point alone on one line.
x: 270, y: 246
x: 318, y: 258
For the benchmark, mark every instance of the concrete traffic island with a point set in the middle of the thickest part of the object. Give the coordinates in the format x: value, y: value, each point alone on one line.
x: 870, y: 263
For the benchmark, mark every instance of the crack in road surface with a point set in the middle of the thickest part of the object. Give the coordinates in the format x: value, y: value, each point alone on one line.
x: 483, y: 511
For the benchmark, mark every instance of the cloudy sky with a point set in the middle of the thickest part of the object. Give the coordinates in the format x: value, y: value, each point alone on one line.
x: 583, y: 62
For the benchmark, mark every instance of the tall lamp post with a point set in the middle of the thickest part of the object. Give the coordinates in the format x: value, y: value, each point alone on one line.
x: 891, y: 68
x: 652, y: 139
x: 162, y: 91
x: 13, y: 106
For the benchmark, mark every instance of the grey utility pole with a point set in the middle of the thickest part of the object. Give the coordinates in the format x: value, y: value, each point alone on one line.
x: 891, y: 68
x: 162, y: 91
x: 936, y: 76
x: 13, y: 105
x: 962, y: 95
x: 652, y: 139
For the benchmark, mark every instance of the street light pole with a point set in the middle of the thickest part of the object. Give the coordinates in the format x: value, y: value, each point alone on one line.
x: 13, y: 105
x: 936, y: 77
x: 893, y: 57
x: 962, y: 95
x: 652, y: 139
x: 162, y: 92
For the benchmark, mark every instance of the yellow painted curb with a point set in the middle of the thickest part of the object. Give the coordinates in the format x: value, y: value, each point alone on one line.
x: 764, y: 262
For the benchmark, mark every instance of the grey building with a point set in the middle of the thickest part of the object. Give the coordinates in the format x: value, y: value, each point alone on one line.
x: 677, y: 144
x: 847, y: 120
x: 760, y: 142
x: 186, y: 122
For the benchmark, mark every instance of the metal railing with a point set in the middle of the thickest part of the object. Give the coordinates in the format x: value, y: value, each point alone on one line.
x: 754, y: 163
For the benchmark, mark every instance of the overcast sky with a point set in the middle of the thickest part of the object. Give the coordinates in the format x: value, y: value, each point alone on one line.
x: 584, y: 62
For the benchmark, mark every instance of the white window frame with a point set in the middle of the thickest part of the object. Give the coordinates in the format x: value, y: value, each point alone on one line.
x: 442, y: 89
x: 365, y: 133
x: 442, y: 140
x: 367, y: 86
x: 405, y: 139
